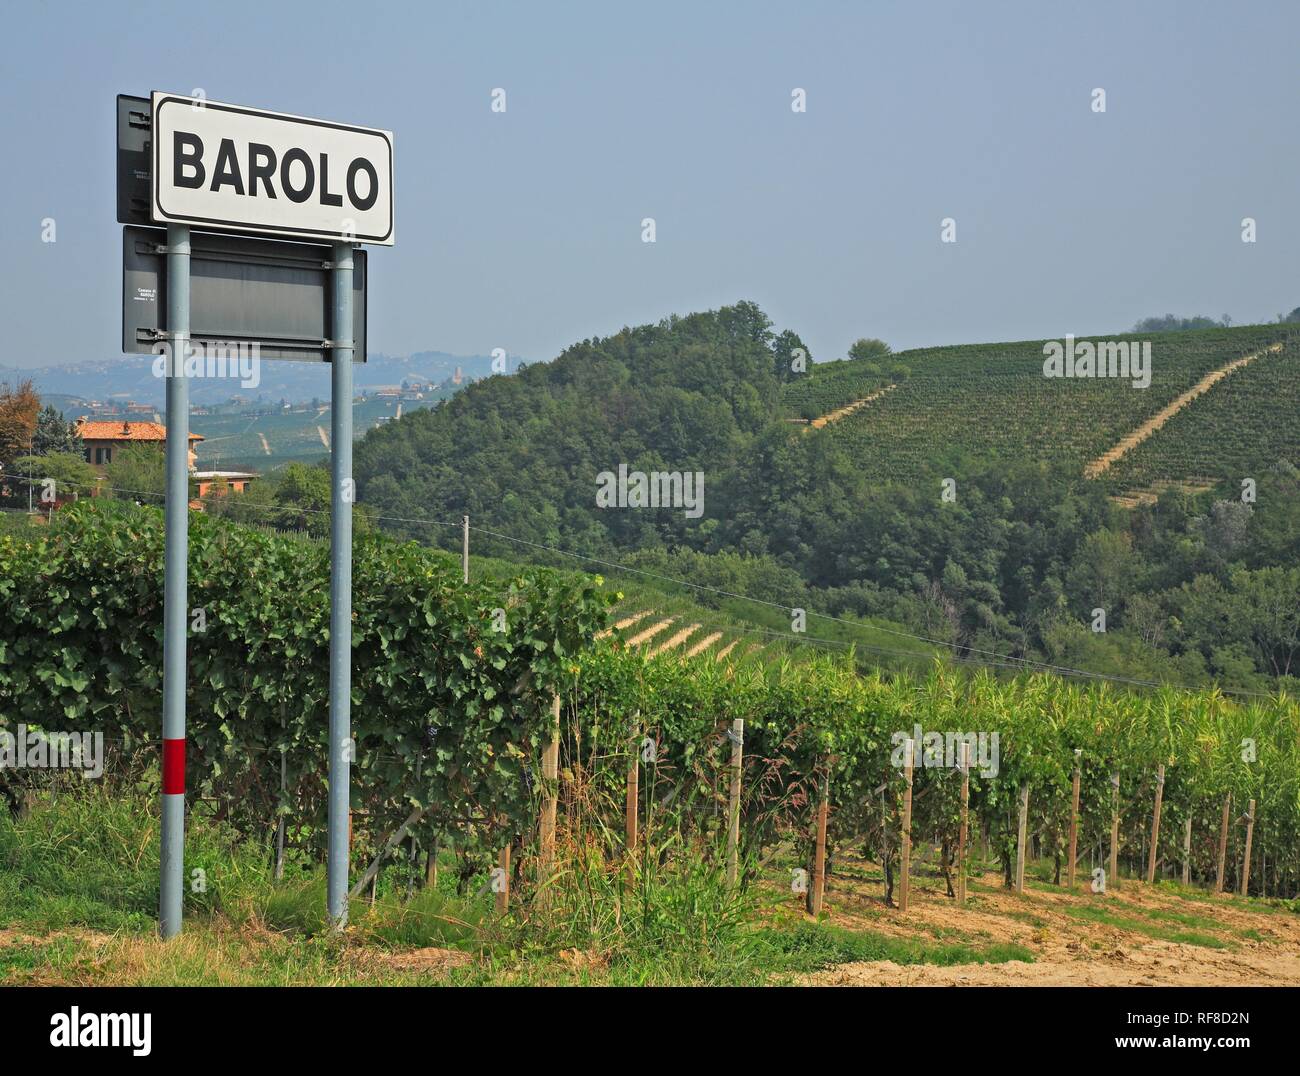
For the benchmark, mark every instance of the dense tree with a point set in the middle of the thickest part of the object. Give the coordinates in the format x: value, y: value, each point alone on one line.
x: 868, y: 347
x: 295, y: 499
x: 69, y: 475
x: 19, y: 405
x: 54, y: 433
x: 138, y: 473
x: 1174, y: 323
x: 791, y: 354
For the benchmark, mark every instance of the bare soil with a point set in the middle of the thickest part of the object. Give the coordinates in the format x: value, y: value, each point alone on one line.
x: 1132, y: 935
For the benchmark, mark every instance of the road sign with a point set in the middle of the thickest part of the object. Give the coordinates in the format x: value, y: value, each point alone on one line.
x: 269, y: 173
x: 185, y: 161
x: 242, y: 290
x: 133, y: 159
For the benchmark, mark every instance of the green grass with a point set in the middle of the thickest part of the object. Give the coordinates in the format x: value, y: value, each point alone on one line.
x: 1096, y: 914
x: 90, y: 859
x: 812, y: 946
x: 79, y: 877
x: 78, y: 893
x: 1196, y: 922
x: 431, y: 917
x: 1027, y: 918
x: 1258, y: 905
x: 78, y: 886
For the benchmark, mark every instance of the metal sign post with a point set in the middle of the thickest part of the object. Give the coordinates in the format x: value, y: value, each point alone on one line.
x: 341, y: 496
x: 175, y: 585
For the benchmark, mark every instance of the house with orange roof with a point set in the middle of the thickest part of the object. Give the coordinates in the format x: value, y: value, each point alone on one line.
x: 104, y: 439
x: 219, y: 482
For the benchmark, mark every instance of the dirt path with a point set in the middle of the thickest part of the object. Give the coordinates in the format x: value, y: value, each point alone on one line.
x: 1156, y: 964
x: 625, y: 622
x: 1134, y: 935
x: 704, y: 644
x: 1102, y: 463
x: 649, y: 633
x: 843, y: 412
x: 674, y: 641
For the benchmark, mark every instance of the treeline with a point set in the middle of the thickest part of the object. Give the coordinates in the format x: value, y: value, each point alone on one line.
x: 1169, y: 323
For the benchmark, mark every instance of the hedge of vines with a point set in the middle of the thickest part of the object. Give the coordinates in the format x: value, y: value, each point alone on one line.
x: 447, y: 711
x: 451, y: 714
x: 818, y: 721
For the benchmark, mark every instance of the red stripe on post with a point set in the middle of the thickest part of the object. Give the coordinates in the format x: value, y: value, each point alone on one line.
x: 173, y: 762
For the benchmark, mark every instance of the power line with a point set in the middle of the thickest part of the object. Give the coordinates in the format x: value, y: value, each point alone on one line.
x: 1006, y: 661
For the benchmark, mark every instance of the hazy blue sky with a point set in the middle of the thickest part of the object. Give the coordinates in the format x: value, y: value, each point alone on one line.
x: 522, y: 230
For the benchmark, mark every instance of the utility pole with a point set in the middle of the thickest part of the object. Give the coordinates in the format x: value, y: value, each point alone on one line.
x: 464, y: 548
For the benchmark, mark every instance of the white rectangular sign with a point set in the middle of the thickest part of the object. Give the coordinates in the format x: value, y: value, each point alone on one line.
x: 267, y: 173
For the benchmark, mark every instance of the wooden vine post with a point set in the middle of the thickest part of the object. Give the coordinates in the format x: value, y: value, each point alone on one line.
x: 1245, y: 863
x: 733, y: 804
x: 369, y: 878
x: 1187, y: 851
x: 503, y: 886
x: 1020, y: 838
x: 1074, y: 820
x: 280, y: 822
x: 819, y: 854
x: 1155, y: 824
x: 630, y: 815
x: 964, y: 826
x: 905, y: 867
x: 414, y: 857
x: 550, y: 806
x: 1112, y: 879
x: 1223, y: 843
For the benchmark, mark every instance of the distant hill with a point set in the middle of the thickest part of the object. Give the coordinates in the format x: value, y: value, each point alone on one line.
x: 265, y: 438
x: 956, y: 492
x: 686, y: 395
x: 131, y: 377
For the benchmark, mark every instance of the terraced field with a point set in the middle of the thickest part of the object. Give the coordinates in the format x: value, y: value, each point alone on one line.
x: 983, y: 403
x: 1249, y: 420
x: 828, y: 386
x: 264, y: 441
